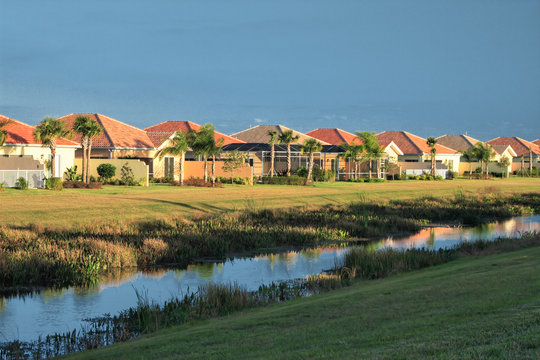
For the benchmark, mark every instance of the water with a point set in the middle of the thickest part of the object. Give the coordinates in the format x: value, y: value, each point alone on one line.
x: 27, y: 317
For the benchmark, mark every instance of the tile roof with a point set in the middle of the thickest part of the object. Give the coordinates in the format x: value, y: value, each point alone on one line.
x: 520, y: 146
x: 412, y: 144
x: 537, y: 142
x: 259, y: 134
x: 334, y: 136
x: 500, y: 149
x: 23, y: 134
x: 116, y: 134
x: 161, y: 132
x: 457, y: 142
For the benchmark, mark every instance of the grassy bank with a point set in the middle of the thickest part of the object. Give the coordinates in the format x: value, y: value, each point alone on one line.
x: 126, y: 204
x: 211, y: 301
x: 35, y: 255
x: 473, y: 307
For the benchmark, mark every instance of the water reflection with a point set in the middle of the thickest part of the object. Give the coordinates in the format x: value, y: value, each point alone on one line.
x: 59, y: 310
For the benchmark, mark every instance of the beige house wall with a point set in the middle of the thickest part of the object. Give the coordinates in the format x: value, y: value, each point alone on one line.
x: 452, y: 161
x: 139, y: 168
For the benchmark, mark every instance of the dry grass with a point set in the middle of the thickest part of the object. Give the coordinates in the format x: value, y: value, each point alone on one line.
x: 80, y: 207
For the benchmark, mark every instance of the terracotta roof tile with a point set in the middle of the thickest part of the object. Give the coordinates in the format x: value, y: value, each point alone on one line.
x: 115, y: 134
x: 23, y: 134
x: 259, y: 134
x: 161, y: 132
x: 537, y: 142
x: 411, y: 144
x: 520, y: 146
x: 334, y: 136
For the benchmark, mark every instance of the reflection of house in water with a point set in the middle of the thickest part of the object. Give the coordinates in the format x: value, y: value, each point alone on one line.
x: 425, y: 237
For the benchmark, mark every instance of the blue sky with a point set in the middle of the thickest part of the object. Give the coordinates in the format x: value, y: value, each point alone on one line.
x: 431, y: 67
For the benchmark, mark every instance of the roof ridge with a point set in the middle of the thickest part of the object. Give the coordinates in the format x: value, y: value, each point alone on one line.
x: 407, y: 134
x: 121, y: 122
x: 105, y: 132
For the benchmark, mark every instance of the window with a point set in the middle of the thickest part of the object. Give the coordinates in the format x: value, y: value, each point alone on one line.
x: 169, y: 166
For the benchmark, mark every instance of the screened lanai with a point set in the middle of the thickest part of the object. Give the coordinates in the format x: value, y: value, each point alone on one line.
x: 259, y: 155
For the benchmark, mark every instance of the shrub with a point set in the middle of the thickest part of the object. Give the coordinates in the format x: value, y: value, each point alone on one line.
x: 21, y: 184
x: 1, y: 187
x: 106, y: 171
x: 302, y: 172
x: 54, y: 183
x: 284, y: 180
x: 71, y: 174
x: 323, y: 175
x: 197, y: 182
x: 126, y: 174
x: 81, y: 185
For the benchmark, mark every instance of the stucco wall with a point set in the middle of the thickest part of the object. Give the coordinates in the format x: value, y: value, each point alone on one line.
x: 140, y: 169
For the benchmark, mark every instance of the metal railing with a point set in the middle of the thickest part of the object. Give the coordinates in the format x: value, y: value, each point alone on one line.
x: 34, y: 178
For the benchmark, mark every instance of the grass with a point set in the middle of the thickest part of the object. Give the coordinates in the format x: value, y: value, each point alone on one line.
x: 115, y: 203
x: 34, y: 255
x: 474, y: 307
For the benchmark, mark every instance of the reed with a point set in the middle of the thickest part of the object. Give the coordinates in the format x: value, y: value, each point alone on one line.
x: 34, y: 255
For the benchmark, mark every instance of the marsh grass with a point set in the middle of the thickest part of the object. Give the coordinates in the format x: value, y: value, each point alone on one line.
x: 216, y: 300
x: 35, y: 255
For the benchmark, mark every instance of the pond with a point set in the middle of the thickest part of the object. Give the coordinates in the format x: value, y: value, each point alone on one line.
x: 48, y: 311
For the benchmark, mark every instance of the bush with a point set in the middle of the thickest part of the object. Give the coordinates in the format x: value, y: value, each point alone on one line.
x: 81, y: 185
x: 106, y: 171
x: 322, y: 175
x: 302, y: 172
x: 284, y: 180
x: 21, y: 184
x: 198, y: 182
x: 126, y: 174
x: 54, y: 183
x: 1, y: 187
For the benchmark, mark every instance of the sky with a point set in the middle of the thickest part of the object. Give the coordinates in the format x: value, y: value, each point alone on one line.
x: 431, y: 67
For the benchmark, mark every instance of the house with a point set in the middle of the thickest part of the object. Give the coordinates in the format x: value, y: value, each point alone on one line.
x: 463, y: 143
x: 526, y: 152
x: 258, y: 150
x: 335, y: 136
x: 416, y: 149
x: 119, y: 144
x: 22, y: 155
x: 537, y: 142
x: 161, y: 133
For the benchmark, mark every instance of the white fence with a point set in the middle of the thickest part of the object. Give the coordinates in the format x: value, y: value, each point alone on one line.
x: 35, y: 178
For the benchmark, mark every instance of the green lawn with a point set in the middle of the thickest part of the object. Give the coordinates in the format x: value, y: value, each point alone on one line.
x: 487, y: 307
x: 117, y: 203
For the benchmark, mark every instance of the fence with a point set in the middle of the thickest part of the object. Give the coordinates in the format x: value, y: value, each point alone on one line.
x: 35, y: 178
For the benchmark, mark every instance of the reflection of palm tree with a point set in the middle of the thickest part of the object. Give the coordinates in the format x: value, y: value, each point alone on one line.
x: 431, y: 241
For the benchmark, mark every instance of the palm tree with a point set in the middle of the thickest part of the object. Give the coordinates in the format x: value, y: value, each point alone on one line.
x: 89, y: 129
x: 3, y: 132
x: 310, y: 147
x: 503, y: 163
x: 352, y: 152
x: 272, y: 142
x: 484, y: 153
x: 287, y: 137
x: 202, y: 143
x: 371, y: 147
x: 215, y: 150
x: 468, y: 155
x: 431, y: 141
x: 47, y: 132
x: 178, y: 146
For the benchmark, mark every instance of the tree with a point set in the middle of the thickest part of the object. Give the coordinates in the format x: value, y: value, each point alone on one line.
x: 503, y: 163
x: 484, y: 153
x: 215, y: 150
x: 310, y: 147
x: 89, y: 129
x: 287, y: 137
x: 178, y: 146
x: 233, y: 161
x: 352, y: 153
x: 371, y: 147
x: 468, y: 155
x: 106, y: 171
x: 272, y: 143
x: 202, y: 143
x: 3, y: 132
x: 47, y: 132
x: 431, y: 141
